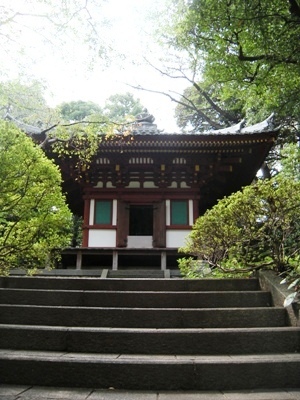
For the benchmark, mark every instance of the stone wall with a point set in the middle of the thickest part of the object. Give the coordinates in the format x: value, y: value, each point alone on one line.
x: 269, y: 281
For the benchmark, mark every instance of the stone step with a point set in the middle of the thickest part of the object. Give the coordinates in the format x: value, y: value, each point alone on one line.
x: 145, y: 334
x: 150, y: 372
x: 150, y: 274
x: 151, y: 341
x: 89, y: 283
x: 128, y: 299
x: 99, y: 272
x: 65, y: 272
x: 143, y: 317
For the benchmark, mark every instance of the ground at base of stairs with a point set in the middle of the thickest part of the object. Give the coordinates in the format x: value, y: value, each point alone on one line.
x: 16, y: 392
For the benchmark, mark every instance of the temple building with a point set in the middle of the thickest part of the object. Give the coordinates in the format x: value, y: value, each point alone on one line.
x: 144, y: 191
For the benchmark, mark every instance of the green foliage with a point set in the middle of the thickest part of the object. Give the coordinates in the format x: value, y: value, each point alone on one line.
x: 119, y: 106
x: 249, y: 51
x: 192, y: 268
x: 73, y: 130
x: 34, y: 218
x: 78, y: 110
x: 252, y: 228
x: 25, y: 102
x: 79, y: 140
x: 290, y: 161
x: 257, y: 227
x: 78, y: 143
x: 76, y: 240
x: 201, y: 108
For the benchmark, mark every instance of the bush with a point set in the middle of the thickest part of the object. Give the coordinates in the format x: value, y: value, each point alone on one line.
x: 34, y: 217
x: 253, y: 228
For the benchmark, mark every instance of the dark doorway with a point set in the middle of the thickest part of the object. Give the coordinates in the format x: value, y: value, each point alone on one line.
x: 141, y: 220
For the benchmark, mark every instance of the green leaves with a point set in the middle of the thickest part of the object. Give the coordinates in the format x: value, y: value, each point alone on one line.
x: 119, y: 106
x: 34, y: 216
x: 78, y: 110
x: 250, y: 52
x: 254, y: 227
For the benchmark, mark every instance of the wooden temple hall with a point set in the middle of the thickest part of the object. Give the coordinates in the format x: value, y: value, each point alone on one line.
x: 143, y: 191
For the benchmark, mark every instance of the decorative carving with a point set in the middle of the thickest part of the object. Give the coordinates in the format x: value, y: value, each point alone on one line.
x: 145, y: 117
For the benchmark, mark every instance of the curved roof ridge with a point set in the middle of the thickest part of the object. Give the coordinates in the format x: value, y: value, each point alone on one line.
x: 266, y: 125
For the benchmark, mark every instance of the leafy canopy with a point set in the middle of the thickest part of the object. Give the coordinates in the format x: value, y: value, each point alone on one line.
x: 72, y: 130
x: 25, y: 101
x: 249, y: 51
x: 34, y: 218
x: 78, y: 110
x: 119, y: 106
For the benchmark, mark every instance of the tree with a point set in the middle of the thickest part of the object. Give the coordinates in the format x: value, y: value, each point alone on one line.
x: 200, y: 109
x: 249, y: 51
x: 290, y: 161
x: 119, y: 106
x: 74, y: 129
x: 34, y: 218
x: 89, y: 124
x: 78, y: 110
x: 25, y: 101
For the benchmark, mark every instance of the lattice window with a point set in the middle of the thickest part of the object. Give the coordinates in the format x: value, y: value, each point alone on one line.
x: 179, y: 160
x: 103, y: 160
x: 141, y: 160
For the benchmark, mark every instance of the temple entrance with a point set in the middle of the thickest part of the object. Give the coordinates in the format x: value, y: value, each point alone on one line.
x: 140, y: 226
x: 141, y: 220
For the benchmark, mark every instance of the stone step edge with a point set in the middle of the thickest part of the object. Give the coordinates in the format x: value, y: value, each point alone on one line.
x: 62, y: 328
x: 53, y: 356
x: 145, y: 309
x: 113, y: 280
x: 141, y: 292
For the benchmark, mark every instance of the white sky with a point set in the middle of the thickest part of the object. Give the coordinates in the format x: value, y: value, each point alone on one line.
x: 68, y: 74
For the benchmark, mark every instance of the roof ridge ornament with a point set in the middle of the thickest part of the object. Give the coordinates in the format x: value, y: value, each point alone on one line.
x: 144, y: 116
x: 231, y: 129
x: 144, y: 124
x: 266, y: 125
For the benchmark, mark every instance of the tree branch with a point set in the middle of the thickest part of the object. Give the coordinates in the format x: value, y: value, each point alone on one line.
x: 224, y: 113
x: 189, y: 106
x: 266, y: 57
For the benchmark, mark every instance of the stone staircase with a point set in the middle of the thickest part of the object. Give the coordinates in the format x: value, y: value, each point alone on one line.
x: 106, y: 273
x: 145, y: 334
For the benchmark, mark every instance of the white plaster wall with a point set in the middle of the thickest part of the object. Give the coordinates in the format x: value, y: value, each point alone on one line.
x: 176, y: 238
x: 140, y: 242
x: 102, y: 238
